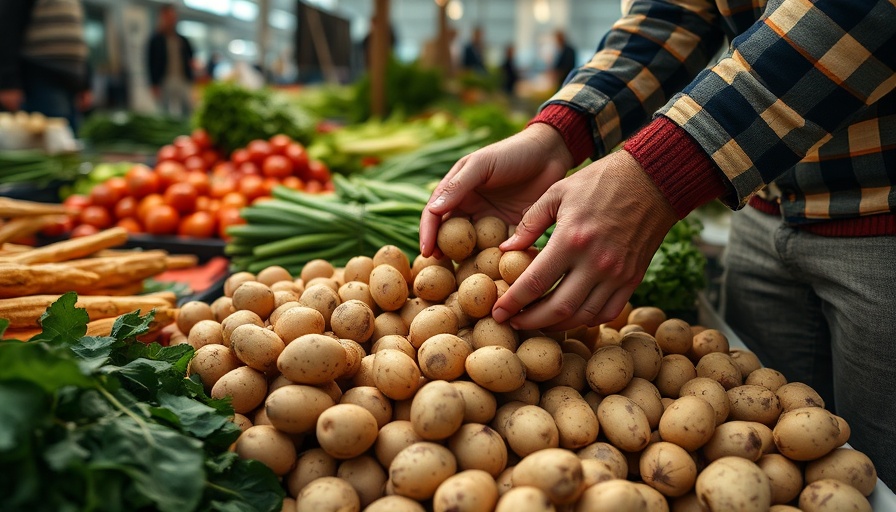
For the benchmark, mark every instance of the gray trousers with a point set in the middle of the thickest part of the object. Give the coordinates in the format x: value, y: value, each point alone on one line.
x: 821, y: 310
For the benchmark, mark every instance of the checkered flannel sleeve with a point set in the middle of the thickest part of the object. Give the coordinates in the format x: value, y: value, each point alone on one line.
x: 803, y: 71
x: 651, y: 53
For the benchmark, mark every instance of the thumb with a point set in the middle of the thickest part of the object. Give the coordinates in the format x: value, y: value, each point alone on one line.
x: 464, y: 177
x: 536, y: 220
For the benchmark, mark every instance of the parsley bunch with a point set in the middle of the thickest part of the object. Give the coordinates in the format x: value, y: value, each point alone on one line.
x: 106, y: 424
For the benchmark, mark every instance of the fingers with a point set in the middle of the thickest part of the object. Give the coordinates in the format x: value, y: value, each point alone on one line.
x: 431, y: 217
x: 596, y: 309
x: 536, y: 220
x: 545, y: 270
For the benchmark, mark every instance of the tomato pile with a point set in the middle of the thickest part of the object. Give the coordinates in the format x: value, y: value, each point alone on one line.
x: 192, y: 191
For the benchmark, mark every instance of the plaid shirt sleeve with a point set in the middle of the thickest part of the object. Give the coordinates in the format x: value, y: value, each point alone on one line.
x: 803, y: 71
x: 651, y: 53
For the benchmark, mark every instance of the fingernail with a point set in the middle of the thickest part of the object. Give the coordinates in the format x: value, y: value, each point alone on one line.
x: 500, y: 315
x: 423, y: 247
x: 439, y: 202
x: 509, y: 242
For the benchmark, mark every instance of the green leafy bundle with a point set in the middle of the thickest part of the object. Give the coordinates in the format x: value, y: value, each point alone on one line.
x: 233, y: 116
x: 112, y: 129
x: 106, y: 424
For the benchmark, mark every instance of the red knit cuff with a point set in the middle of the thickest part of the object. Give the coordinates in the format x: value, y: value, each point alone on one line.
x: 573, y: 127
x: 678, y: 166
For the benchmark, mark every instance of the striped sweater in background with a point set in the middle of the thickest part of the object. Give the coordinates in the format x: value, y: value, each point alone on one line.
x: 798, y: 117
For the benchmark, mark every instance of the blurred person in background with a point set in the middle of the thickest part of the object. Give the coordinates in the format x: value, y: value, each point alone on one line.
x: 509, y: 73
x: 565, y: 61
x: 43, y: 58
x: 171, y: 66
x: 473, y: 58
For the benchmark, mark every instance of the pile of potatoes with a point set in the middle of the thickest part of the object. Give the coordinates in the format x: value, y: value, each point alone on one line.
x: 386, y: 386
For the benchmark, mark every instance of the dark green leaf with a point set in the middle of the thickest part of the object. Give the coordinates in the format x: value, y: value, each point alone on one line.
x: 62, y: 322
x: 40, y: 364
x: 25, y: 406
x: 246, y: 485
x: 66, y: 453
x: 93, y: 352
x: 4, y: 323
x: 195, y: 418
x: 131, y: 325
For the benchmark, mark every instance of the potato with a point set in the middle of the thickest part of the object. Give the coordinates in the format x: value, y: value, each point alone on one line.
x: 674, y: 336
x: 668, y: 468
x: 346, y: 430
x: 434, y: 283
x: 784, y: 476
x: 795, y: 395
x: 392, y: 438
x: 845, y: 465
x: 366, y: 476
x: 433, y: 320
x: 371, y: 399
x: 754, y: 403
x: 747, y: 361
x: 322, y: 298
x: 356, y: 290
x: 624, y: 423
x: 471, y: 490
x: 222, y: 307
x: 610, y: 369
x: 555, y: 471
x: 395, y: 374
x: 310, y: 465
x: 707, y: 342
x: 205, y: 332
x: 294, y: 408
x: 733, y: 483
x: 245, y: 386
x: 689, y: 422
x: 478, y: 446
x: 830, y: 495
x: 328, y: 494
x: 490, y: 232
x: 328, y: 282
x: 595, y: 472
x: 720, y: 367
x: 530, y: 428
x: 254, y: 296
x: 437, y: 410
x: 456, y: 238
x: 711, y: 391
x: 496, y: 369
x: 488, y: 332
x: 453, y: 303
x: 675, y: 370
x: 572, y: 372
x: 235, y: 280
x: 401, y: 410
x: 269, y: 446
x: 646, y: 354
x: 479, y: 404
x: 395, y: 342
x: 542, y: 358
x: 281, y: 297
x: 611, y: 495
x: 395, y: 257
x: 645, y: 394
x: 388, y: 323
x: 767, y: 378
x: 236, y: 319
x: 476, y: 295
x: 528, y: 499
x: 191, y: 313
x: 845, y: 431
x: 647, y: 317
x: 256, y: 346
x: 488, y: 262
x: 316, y: 268
x: 312, y: 359
x: 656, y: 502
x: 358, y: 269
x: 364, y: 375
x: 241, y: 421
x: 275, y: 314
x: 418, y: 470
x: 420, y: 263
x: 395, y: 503
x: 443, y: 356
x: 576, y: 422
x: 298, y: 321
x: 608, y: 455
x: 354, y: 320
x: 412, y: 307
x: 512, y: 265
x: 734, y: 438
x: 806, y: 433
x: 211, y: 362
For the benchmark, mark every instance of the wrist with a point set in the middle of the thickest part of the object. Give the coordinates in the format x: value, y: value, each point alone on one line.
x: 574, y: 128
x: 552, y: 143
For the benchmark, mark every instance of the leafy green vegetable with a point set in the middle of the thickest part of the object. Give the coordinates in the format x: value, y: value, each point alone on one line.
x: 105, y: 129
x: 109, y: 424
x: 410, y: 89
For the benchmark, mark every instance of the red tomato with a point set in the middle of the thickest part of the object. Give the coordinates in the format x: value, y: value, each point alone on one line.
x: 148, y: 203
x: 126, y: 207
x: 84, y: 230
x: 279, y: 143
x: 251, y: 187
x: 96, y: 216
x: 200, y: 138
x: 130, y: 224
x: 182, y: 197
x: 223, y: 169
x: 141, y: 181
x: 103, y: 195
x: 197, y: 225
x: 314, y: 187
x: 195, y: 163
x: 118, y: 184
x: 239, y: 156
x: 228, y: 217
x: 76, y: 202
x: 296, y: 152
x: 60, y: 225
x: 233, y: 200
x: 292, y: 182
x: 200, y: 182
x: 269, y: 184
x: 277, y: 166
x: 319, y: 171
x: 186, y: 151
x: 169, y: 172
x: 210, y: 157
x: 258, y: 150
x: 219, y: 186
x: 248, y: 169
x: 162, y: 220
x: 330, y: 186
x: 167, y: 152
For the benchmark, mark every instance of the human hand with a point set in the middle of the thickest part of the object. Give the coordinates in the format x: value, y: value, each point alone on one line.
x: 501, y: 179
x: 12, y: 99
x: 611, y: 219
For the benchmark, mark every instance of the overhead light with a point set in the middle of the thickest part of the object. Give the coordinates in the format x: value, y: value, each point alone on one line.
x: 219, y: 7
x: 244, y: 10
x: 541, y: 11
x: 281, y: 19
x: 455, y: 10
x: 242, y: 48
